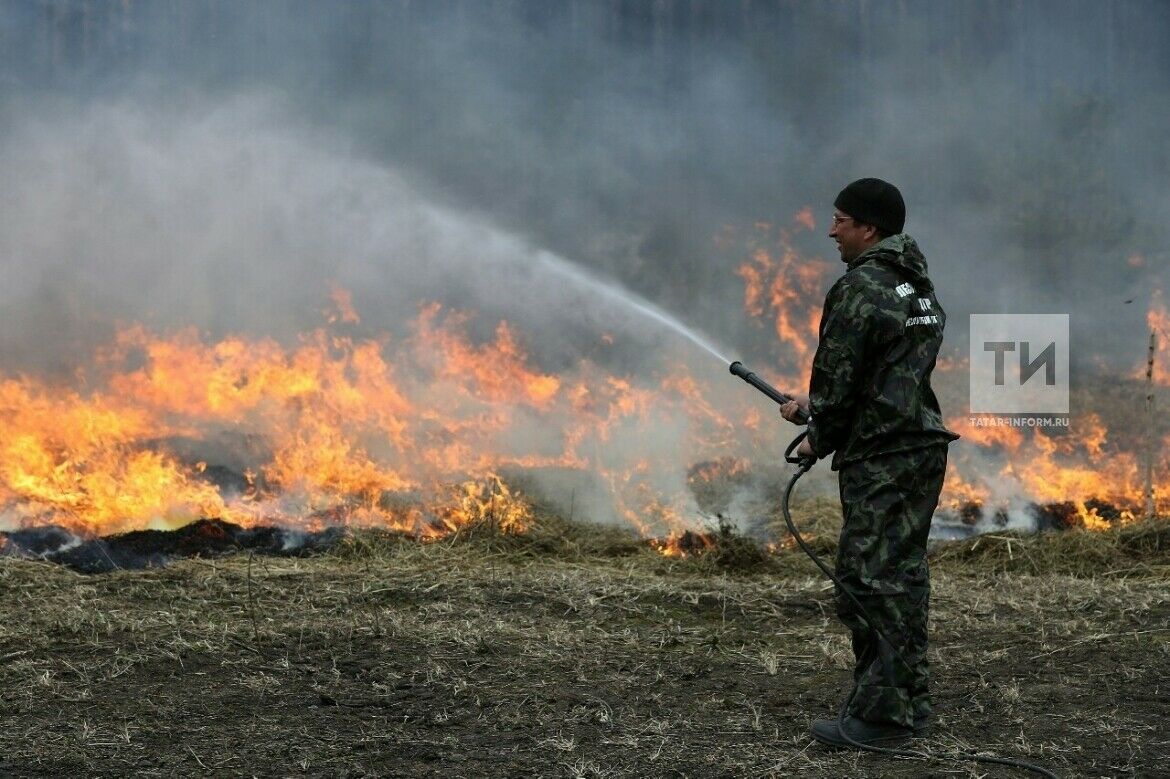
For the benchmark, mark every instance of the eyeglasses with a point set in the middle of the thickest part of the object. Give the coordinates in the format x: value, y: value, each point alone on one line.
x: 839, y: 219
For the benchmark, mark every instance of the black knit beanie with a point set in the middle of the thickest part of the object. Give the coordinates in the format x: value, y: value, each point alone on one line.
x: 874, y: 202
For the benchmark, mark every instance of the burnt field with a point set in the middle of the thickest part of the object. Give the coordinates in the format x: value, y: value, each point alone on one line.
x: 570, y: 652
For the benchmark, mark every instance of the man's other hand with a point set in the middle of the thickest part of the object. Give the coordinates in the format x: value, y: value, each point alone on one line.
x: 805, y: 450
x: 792, y: 409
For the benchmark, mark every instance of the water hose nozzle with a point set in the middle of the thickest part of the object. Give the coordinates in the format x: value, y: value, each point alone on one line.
x: 737, y: 368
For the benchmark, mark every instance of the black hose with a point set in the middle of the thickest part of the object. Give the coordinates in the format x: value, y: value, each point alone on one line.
x: 803, y: 464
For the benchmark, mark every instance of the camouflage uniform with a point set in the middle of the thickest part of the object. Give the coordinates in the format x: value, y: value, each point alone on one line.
x: 873, y: 408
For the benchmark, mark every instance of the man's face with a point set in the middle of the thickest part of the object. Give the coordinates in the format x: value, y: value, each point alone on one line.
x: 852, y: 237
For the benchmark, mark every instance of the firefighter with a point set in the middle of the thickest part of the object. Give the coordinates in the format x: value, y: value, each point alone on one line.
x: 874, y: 411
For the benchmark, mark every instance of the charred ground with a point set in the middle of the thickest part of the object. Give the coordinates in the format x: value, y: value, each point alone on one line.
x: 569, y: 652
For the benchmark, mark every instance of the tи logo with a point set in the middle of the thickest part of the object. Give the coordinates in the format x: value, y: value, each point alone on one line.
x: 1019, y: 363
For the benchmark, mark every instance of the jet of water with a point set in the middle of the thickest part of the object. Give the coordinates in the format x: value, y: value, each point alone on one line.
x: 624, y: 296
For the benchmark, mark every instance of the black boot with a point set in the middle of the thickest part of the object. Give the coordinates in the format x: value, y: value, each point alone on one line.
x: 872, y: 734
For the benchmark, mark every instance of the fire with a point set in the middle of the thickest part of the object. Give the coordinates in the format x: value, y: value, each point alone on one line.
x: 86, y: 459
x: 1007, y: 438
x: 1158, y: 322
x: 723, y: 469
x: 959, y: 494
x: 418, y: 431
x: 1093, y: 479
x: 333, y: 428
x: 487, y: 500
x: 683, y: 544
x: 343, y: 310
x: 804, y: 218
x: 1080, y: 468
x: 787, y: 288
x: 498, y: 369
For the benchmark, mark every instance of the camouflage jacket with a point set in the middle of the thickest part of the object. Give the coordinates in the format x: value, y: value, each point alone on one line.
x: 881, y: 330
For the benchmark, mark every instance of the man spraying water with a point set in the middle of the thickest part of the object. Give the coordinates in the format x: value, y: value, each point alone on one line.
x: 873, y: 409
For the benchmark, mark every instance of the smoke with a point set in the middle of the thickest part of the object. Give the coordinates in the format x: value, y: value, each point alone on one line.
x: 219, y: 161
x: 224, y: 218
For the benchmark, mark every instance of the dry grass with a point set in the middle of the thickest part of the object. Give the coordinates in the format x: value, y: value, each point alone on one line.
x: 1138, y: 549
x: 570, y: 652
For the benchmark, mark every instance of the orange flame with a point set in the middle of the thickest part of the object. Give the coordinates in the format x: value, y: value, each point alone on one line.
x: 415, y: 434
x: 343, y: 307
x: 683, y: 544
x: 1158, y: 321
x: 786, y: 288
x: 339, y: 429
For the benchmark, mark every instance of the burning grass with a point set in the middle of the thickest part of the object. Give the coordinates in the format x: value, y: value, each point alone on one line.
x: 425, y: 433
x: 568, y: 651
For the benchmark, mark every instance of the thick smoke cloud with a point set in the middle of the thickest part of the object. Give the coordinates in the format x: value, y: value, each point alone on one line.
x: 224, y: 218
x: 219, y: 163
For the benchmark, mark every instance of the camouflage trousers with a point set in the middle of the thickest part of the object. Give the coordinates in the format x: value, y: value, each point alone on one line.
x: 887, y: 502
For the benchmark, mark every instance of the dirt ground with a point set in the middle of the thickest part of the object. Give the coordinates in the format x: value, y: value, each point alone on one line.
x: 560, y: 656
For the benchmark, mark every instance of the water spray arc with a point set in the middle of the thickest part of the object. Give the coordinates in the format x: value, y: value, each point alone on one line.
x: 803, y: 465
x: 620, y: 294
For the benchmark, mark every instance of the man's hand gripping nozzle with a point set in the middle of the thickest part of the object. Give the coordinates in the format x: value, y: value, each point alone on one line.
x: 737, y: 369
